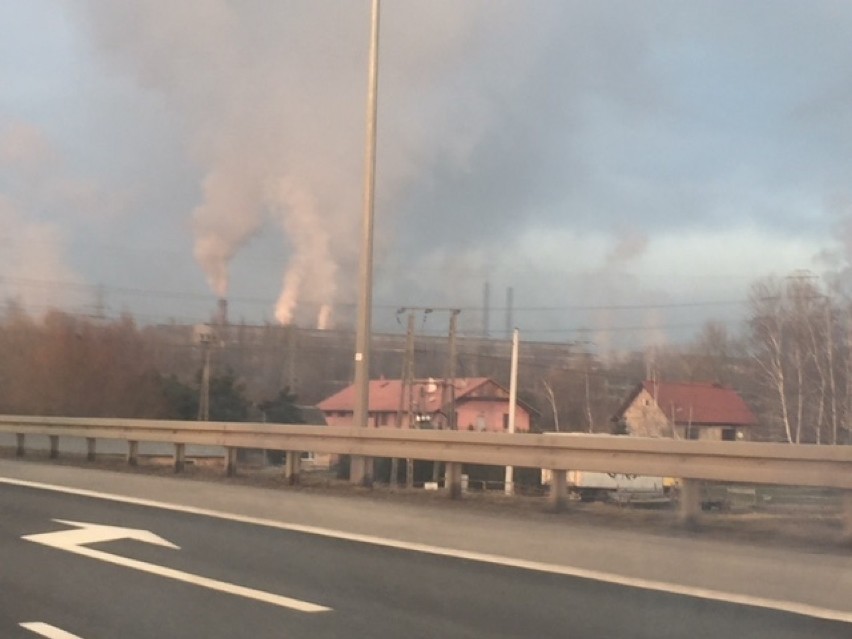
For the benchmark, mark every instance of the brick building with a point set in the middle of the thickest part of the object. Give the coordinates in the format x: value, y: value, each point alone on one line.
x: 685, y: 410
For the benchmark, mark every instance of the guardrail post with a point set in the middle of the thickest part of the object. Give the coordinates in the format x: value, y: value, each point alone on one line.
x: 20, y: 449
x: 294, y: 463
x: 558, y: 484
x: 90, y: 449
x: 361, y: 470
x: 409, y: 473
x: 690, y: 502
x: 846, y: 505
x: 180, y: 457
x: 230, y: 461
x: 452, y: 480
x: 132, y: 453
x: 54, y: 446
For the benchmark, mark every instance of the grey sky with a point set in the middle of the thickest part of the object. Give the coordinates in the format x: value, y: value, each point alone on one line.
x: 588, y: 154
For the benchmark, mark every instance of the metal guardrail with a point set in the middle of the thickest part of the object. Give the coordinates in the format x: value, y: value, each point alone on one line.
x: 746, y: 462
x: 781, y: 464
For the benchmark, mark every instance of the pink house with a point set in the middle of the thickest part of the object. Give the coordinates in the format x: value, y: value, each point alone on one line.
x: 481, y: 404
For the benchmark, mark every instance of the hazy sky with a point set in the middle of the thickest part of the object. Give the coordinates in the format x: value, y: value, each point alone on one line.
x: 592, y: 155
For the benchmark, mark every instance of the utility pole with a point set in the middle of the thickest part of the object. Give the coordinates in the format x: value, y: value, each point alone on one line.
x: 204, y: 391
x: 447, y: 398
x: 405, y: 386
x: 448, y: 391
x: 451, y: 370
x: 361, y: 467
x: 203, y: 335
x: 513, y: 401
x: 291, y: 356
x: 409, y: 462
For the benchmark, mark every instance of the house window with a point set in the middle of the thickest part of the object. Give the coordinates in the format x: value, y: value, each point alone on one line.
x: 505, y: 421
x: 691, y: 432
x: 729, y: 434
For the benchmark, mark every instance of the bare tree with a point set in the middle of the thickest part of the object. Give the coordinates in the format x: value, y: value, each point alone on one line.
x: 767, y: 338
x: 801, y: 355
x: 552, y: 398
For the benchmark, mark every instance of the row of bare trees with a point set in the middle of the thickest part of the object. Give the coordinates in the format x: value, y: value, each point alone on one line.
x: 77, y: 366
x: 65, y: 365
x: 800, y: 336
x: 792, y: 363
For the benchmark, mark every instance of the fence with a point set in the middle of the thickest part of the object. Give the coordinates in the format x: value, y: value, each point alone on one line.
x: 690, y: 461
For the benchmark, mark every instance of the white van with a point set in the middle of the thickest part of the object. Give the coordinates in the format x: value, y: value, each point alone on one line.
x: 620, y: 487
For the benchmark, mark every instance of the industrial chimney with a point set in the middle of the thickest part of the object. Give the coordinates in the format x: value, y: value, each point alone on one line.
x: 222, y: 312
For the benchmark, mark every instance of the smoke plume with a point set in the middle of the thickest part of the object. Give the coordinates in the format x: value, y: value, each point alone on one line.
x: 272, y: 98
x: 35, y: 273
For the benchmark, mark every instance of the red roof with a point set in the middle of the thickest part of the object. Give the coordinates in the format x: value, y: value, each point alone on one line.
x: 385, y: 395
x: 696, y: 403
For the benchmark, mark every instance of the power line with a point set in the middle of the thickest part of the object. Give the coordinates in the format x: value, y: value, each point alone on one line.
x: 625, y: 307
x: 148, y: 292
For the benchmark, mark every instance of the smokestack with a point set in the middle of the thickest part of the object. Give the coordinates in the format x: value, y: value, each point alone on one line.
x: 510, y: 319
x: 486, y: 309
x: 222, y: 312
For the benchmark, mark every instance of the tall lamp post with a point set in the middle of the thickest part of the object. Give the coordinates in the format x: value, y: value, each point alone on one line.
x: 361, y: 467
x: 513, y: 403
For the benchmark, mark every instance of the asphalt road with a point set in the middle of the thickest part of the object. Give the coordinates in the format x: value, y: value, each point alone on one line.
x: 371, y: 590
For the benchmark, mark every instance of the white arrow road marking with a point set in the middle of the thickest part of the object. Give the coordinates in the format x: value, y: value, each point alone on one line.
x: 85, y: 533
x: 46, y: 630
x: 73, y: 541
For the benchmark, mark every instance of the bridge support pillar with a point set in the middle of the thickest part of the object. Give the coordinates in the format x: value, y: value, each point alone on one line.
x: 20, y: 449
x: 54, y: 446
x: 294, y: 466
x: 557, y: 496
x: 90, y: 449
x: 180, y: 457
x: 452, y: 480
x: 230, y: 461
x: 689, y: 512
x: 132, y: 453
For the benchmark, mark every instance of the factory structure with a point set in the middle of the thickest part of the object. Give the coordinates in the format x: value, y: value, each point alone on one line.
x: 317, y: 363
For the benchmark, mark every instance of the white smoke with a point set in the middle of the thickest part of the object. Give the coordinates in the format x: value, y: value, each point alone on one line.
x: 33, y: 268
x: 272, y: 98
x: 226, y: 220
x: 311, y: 264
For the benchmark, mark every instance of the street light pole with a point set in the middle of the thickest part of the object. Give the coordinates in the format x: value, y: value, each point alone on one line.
x: 513, y: 402
x: 360, y: 471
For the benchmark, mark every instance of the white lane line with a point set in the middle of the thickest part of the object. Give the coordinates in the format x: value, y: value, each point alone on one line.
x: 85, y: 533
x: 197, y: 580
x: 793, y: 607
x: 46, y: 630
